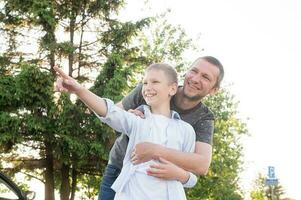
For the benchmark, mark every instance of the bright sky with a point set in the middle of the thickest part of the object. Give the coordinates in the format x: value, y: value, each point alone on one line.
x: 259, y: 43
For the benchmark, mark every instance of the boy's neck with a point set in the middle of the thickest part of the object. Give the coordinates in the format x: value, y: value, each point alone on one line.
x: 161, y: 110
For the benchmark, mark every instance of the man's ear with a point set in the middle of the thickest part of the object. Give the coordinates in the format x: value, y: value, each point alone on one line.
x: 214, y: 90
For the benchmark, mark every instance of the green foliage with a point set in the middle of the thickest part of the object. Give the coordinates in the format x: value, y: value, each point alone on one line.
x: 260, y: 191
x: 33, y: 11
x: 112, y: 76
x: 91, y: 185
x: 24, y: 101
x: 9, y: 131
x: 115, y: 36
x: 65, y: 48
x: 164, y: 42
x: 221, y: 182
x: 4, y: 62
x: 8, y: 100
x: 76, y: 139
x: 34, y: 89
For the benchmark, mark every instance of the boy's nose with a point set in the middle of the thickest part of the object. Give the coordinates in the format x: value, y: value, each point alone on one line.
x: 148, y: 86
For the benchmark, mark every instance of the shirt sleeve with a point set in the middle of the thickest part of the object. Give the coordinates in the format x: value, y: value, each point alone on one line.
x: 134, y: 98
x: 204, y: 131
x: 118, y: 119
x: 191, y: 181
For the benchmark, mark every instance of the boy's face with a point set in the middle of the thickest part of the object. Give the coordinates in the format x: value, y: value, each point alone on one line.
x: 200, y: 80
x: 157, y: 88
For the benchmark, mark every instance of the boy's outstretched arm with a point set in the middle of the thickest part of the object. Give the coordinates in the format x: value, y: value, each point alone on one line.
x: 66, y: 83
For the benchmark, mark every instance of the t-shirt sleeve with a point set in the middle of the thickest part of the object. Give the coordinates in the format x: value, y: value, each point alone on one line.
x: 134, y: 98
x: 204, y: 131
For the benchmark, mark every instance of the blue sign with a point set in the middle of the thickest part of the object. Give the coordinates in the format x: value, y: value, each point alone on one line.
x: 270, y: 182
x: 271, y: 172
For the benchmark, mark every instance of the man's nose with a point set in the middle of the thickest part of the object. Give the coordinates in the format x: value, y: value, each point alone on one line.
x: 195, y: 79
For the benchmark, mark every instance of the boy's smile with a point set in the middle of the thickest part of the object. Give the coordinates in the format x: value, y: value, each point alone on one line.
x: 157, y: 89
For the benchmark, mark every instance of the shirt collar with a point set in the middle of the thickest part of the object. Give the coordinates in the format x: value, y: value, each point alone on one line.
x: 146, y: 110
x: 175, y: 115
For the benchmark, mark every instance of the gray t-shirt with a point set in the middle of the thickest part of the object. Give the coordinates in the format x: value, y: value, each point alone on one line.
x: 199, y: 117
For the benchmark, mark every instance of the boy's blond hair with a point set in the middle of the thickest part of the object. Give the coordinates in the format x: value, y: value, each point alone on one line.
x: 168, y: 70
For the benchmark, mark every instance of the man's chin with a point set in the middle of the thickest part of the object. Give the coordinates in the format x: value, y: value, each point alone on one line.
x: 193, y: 97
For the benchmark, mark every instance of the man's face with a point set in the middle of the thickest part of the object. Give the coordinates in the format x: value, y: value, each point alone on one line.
x: 200, y: 80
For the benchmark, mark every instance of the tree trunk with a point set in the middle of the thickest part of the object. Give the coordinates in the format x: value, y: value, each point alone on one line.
x: 49, y: 173
x: 65, y: 185
x: 71, y: 55
x: 81, y: 38
x: 74, y: 183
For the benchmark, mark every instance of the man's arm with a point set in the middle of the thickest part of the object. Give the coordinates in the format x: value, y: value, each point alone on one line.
x: 197, y: 162
x: 170, y: 171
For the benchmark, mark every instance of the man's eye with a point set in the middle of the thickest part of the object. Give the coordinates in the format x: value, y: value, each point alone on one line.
x: 207, y: 78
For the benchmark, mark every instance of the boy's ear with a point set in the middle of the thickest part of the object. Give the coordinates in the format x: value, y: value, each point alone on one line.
x: 173, y: 89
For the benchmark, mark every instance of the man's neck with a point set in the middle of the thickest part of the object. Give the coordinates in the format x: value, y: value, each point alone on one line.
x: 183, y: 102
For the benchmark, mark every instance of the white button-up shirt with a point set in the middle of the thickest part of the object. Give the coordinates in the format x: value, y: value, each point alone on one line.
x: 133, y: 182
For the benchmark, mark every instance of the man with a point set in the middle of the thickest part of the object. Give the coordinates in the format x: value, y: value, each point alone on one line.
x: 203, y: 78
